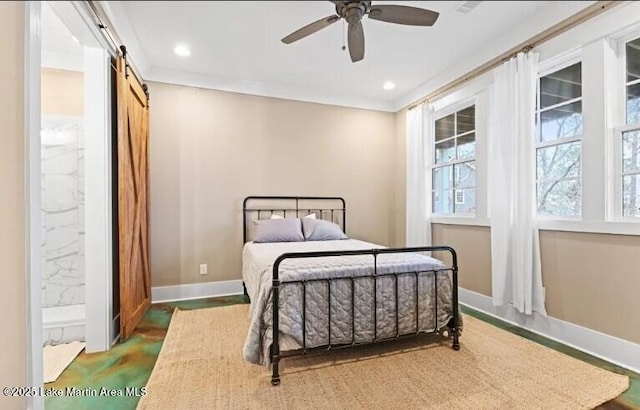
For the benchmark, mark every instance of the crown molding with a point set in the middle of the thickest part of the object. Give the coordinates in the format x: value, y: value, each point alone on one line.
x: 264, y: 89
x: 122, y: 25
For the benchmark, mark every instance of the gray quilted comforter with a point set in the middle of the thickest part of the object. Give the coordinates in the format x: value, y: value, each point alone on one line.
x: 257, y: 268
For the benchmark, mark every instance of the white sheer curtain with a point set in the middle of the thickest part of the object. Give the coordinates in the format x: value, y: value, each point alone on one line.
x: 418, y: 178
x: 515, y: 248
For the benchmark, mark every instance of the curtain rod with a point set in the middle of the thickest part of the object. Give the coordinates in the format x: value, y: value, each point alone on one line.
x: 553, y: 31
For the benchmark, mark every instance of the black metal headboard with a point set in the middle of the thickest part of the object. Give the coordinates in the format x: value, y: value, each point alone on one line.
x: 333, y: 209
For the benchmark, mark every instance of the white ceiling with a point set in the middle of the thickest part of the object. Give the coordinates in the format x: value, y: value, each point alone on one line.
x: 235, y: 46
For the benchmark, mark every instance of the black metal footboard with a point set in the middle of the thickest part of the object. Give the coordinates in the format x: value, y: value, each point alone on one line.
x: 453, y: 325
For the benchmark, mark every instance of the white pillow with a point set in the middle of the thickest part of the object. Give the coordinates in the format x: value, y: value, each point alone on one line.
x: 276, y: 216
x: 278, y: 230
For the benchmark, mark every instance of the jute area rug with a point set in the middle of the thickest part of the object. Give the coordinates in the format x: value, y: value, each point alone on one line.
x: 201, y: 367
x: 59, y: 357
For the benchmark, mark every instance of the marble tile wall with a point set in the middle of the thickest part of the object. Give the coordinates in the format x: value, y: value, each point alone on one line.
x: 63, y: 334
x: 62, y: 211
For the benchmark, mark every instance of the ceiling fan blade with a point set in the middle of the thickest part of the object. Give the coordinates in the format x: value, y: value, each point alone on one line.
x: 356, y: 41
x: 411, y: 16
x: 310, y: 29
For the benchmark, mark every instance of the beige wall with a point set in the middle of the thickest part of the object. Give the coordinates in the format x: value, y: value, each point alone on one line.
x: 209, y: 149
x: 12, y: 205
x: 590, y: 279
x: 400, y: 172
x: 473, y: 246
x: 62, y: 92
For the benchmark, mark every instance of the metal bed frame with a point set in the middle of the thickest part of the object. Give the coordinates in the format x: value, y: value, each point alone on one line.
x: 274, y: 351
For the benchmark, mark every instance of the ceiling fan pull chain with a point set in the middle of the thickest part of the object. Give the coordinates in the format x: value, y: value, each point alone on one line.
x: 344, y: 35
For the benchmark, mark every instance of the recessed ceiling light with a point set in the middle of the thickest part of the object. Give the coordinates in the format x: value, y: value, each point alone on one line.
x: 182, y: 50
x: 389, y: 85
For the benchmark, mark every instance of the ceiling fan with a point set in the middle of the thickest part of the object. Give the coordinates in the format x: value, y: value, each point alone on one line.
x: 354, y: 11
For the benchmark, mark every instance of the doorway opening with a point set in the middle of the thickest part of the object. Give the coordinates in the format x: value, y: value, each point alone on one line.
x: 70, y: 166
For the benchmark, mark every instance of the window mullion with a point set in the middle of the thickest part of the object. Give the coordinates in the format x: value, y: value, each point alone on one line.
x: 561, y: 141
x: 561, y: 104
x: 628, y: 128
x: 453, y: 162
x: 445, y: 139
x: 578, y: 178
x: 464, y: 134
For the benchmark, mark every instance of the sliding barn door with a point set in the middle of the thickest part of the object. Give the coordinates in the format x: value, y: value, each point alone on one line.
x: 133, y: 194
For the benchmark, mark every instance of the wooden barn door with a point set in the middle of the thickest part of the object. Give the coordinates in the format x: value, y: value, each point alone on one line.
x: 133, y: 194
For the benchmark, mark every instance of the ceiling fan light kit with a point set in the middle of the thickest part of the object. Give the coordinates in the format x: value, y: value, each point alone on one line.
x: 353, y: 12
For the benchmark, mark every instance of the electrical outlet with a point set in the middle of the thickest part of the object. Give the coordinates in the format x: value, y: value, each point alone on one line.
x: 203, y: 269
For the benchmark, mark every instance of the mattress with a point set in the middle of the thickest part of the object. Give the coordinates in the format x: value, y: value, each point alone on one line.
x: 434, y: 295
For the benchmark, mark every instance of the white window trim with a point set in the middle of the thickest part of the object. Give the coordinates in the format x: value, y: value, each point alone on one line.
x: 475, y: 93
x: 460, y: 219
x: 469, y: 217
x: 625, y: 35
x: 618, y: 119
x: 560, y: 61
x: 618, y: 174
x: 545, y: 68
x: 608, y: 227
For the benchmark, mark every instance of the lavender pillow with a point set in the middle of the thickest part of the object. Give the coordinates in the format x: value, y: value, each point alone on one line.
x: 321, y: 230
x: 278, y: 230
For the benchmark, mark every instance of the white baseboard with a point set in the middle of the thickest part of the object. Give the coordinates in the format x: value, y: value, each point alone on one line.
x: 610, y: 348
x: 196, y: 291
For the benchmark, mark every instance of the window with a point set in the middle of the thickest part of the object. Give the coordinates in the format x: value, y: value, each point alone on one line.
x: 631, y: 134
x: 454, y: 172
x: 633, y: 81
x: 558, y: 148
